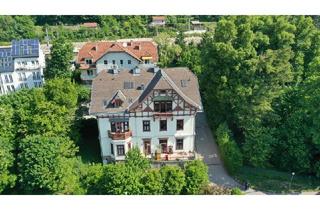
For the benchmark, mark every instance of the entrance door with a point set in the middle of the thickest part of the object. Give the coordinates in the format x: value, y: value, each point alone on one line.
x: 147, y: 146
x: 163, y: 145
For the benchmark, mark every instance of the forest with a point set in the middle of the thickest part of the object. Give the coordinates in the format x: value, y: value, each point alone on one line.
x: 259, y: 82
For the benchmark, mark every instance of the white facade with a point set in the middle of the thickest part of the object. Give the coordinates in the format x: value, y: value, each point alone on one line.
x: 112, y: 60
x: 27, y: 73
x: 139, y: 136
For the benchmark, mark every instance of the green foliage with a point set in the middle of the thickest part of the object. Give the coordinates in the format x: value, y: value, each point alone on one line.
x: 6, y: 126
x: 62, y: 92
x: 59, y: 63
x: 173, y: 180
x: 47, y: 166
x: 230, y: 153
x: 168, y: 50
x: 118, y: 179
x: 152, y: 182
x: 190, y: 57
x: 90, y: 175
x: 258, y: 146
x: 236, y: 191
x: 135, y: 161
x: 196, y: 176
x: 16, y: 27
x: 7, y: 178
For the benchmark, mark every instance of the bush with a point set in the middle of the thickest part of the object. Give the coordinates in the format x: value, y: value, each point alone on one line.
x: 230, y: 152
x: 236, y: 191
x: 196, y: 173
x: 7, y: 179
x: 173, y: 180
x: 152, y: 182
x: 215, y: 190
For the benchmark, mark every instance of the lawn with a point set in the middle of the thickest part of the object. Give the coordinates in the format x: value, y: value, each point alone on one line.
x: 277, y: 182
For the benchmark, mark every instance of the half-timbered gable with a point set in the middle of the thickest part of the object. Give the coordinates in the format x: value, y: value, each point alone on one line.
x: 153, y: 110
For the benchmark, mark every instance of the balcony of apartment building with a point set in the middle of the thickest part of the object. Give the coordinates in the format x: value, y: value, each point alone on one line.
x: 119, y: 130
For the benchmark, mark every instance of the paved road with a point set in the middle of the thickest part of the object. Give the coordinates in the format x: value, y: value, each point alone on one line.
x: 208, y: 149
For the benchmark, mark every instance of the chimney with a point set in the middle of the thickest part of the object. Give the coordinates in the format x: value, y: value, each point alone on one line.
x: 124, y: 44
x: 156, y: 69
x: 115, y: 71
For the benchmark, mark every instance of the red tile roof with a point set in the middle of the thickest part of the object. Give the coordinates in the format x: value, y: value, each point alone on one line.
x: 90, y: 25
x: 137, y: 49
x: 156, y: 18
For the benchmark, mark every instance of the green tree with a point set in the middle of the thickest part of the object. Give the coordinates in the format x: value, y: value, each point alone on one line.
x: 135, y: 161
x: 118, y: 179
x: 152, y: 182
x: 90, y: 175
x: 191, y: 58
x: 59, y: 63
x: 62, y: 92
x: 196, y: 173
x: 230, y: 152
x: 7, y: 178
x: 47, y: 165
x: 173, y: 180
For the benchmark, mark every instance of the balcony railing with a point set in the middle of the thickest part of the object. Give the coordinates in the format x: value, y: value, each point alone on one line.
x: 119, y: 135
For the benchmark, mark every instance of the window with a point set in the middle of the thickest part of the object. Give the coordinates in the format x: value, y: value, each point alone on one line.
x: 34, y: 77
x: 105, y: 62
x: 38, y: 76
x: 121, y: 62
x: 6, y: 78
x: 32, y: 62
x: 179, y: 144
x: 129, y: 61
x: 163, y: 106
x: 113, y: 62
x: 179, y: 125
x: 8, y: 88
x: 120, y: 126
x: 111, y: 147
x: 146, y: 125
x: 13, y: 88
x: 163, y: 125
x: 10, y: 78
x: 146, y: 61
x: 120, y: 150
x: 20, y: 76
x: 128, y: 85
x: 88, y: 61
x: 24, y: 76
x: 90, y: 72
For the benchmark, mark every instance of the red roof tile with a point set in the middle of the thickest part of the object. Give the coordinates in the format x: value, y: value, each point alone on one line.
x: 136, y: 49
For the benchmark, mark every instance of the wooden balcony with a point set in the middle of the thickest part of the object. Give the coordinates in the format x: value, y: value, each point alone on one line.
x: 119, y: 135
x: 163, y: 115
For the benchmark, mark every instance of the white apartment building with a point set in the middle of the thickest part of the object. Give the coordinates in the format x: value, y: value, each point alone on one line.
x: 149, y: 108
x: 21, y: 65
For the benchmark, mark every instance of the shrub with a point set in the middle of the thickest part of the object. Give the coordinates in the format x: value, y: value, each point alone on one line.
x: 152, y: 182
x: 230, y: 152
x: 236, y: 191
x: 196, y: 173
x: 215, y: 190
x: 173, y: 180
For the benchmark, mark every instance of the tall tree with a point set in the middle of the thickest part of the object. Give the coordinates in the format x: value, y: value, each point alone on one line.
x: 59, y: 63
x: 47, y: 165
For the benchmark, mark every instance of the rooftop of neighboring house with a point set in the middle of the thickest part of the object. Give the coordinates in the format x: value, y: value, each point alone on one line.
x: 132, y: 88
x: 137, y: 49
x: 158, y: 18
x: 196, y: 22
x: 23, y: 48
x: 90, y: 25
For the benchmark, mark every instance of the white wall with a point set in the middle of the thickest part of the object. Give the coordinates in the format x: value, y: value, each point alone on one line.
x: 28, y: 69
x: 136, y: 126
x: 117, y: 56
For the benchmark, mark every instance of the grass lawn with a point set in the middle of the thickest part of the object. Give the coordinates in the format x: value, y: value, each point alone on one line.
x: 89, y: 147
x: 272, y: 181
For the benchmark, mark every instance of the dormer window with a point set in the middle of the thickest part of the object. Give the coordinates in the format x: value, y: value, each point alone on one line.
x: 116, y: 103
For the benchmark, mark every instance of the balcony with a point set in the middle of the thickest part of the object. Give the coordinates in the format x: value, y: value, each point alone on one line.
x: 119, y: 135
x: 163, y: 115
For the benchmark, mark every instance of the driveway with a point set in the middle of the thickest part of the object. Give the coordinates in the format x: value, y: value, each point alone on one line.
x: 208, y: 149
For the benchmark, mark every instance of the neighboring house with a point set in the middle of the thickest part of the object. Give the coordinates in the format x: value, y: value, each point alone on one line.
x: 21, y: 65
x: 95, y: 57
x: 152, y: 109
x: 197, y: 25
x: 158, y: 21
